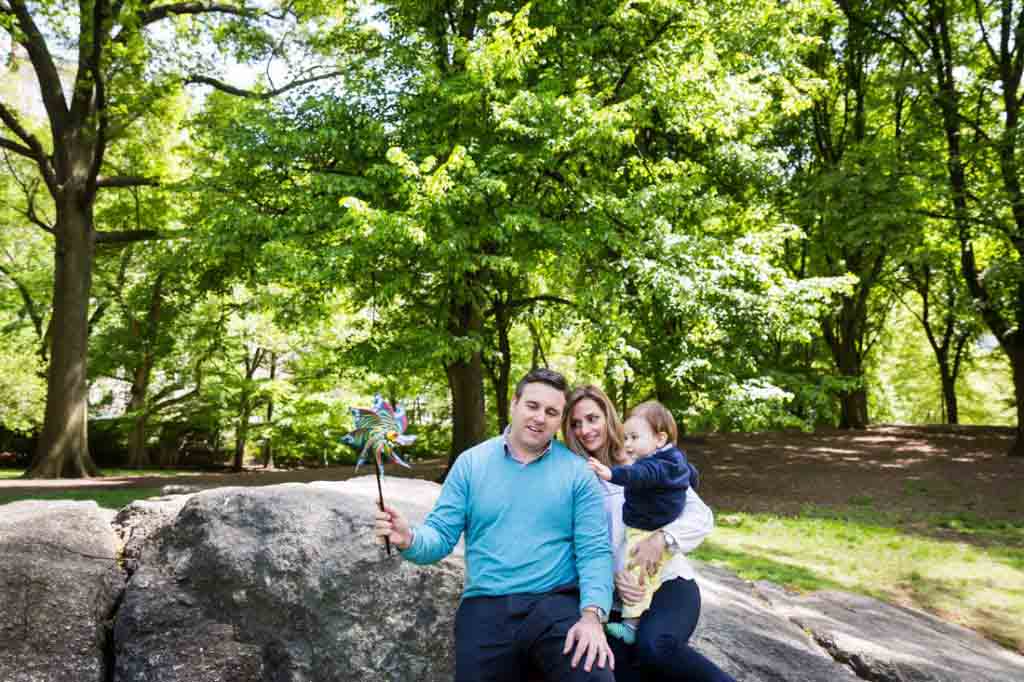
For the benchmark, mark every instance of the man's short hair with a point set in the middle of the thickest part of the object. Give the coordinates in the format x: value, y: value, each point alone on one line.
x: 543, y: 375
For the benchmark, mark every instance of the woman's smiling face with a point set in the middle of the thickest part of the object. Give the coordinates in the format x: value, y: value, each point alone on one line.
x: 589, y: 425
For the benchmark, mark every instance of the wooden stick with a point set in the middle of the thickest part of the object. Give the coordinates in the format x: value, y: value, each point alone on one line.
x: 380, y: 493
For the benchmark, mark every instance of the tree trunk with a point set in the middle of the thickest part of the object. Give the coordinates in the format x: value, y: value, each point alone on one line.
x: 268, y: 449
x: 853, y: 409
x: 503, y: 377
x: 853, y: 404
x: 844, y: 335
x: 466, y: 383
x: 951, y: 412
x: 469, y: 421
x: 242, y: 434
x: 138, y: 456
x: 1016, y: 356
x: 63, y: 450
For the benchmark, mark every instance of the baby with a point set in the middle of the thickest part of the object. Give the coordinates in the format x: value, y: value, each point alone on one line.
x: 655, y: 493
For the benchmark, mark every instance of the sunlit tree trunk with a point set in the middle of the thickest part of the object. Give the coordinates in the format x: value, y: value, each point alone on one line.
x: 63, y: 450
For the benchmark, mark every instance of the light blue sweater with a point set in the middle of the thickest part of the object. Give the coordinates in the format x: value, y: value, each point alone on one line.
x: 529, y: 528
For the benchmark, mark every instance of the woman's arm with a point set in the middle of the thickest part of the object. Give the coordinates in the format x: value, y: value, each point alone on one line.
x: 681, y: 536
x: 692, y: 526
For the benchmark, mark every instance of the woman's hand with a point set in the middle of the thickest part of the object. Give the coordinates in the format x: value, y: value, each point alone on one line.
x: 630, y: 592
x: 603, y: 472
x: 648, y: 553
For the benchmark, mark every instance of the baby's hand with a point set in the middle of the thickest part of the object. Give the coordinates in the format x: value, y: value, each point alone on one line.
x: 601, y: 470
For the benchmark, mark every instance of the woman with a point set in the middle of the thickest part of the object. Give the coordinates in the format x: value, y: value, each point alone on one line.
x: 592, y: 427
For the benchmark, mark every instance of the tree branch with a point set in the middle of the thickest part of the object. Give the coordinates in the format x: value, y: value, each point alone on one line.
x: 128, y: 236
x: 640, y: 54
x: 29, y: 189
x: 98, y: 314
x: 13, y: 146
x: 31, y: 142
x: 979, y: 14
x: 26, y: 298
x: 110, y: 181
x: 154, y: 14
x: 196, y: 79
x: 100, y: 35
x: 546, y: 298
x: 50, y: 86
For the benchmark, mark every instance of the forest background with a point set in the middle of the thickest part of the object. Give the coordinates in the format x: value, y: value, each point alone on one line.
x: 224, y: 223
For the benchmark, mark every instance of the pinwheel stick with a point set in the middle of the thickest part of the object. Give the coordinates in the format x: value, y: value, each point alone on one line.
x: 380, y: 493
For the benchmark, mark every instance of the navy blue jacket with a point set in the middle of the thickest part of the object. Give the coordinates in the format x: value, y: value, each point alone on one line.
x: 655, y: 488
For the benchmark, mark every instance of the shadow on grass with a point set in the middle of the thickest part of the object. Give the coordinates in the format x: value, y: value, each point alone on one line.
x: 752, y: 567
x: 104, y: 497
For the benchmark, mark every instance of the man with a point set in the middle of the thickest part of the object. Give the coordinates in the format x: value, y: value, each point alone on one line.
x: 538, y: 560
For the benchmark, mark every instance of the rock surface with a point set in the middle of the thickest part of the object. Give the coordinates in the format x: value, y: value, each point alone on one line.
x: 740, y: 632
x: 893, y: 644
x: 282, y: 583
x: 59, y: 582
x: 285, y: 583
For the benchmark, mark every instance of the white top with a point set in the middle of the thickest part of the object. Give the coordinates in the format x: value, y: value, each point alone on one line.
x: 688, y: 531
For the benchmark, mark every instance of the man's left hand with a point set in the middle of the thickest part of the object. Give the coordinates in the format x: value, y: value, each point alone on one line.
x: 587, y: 636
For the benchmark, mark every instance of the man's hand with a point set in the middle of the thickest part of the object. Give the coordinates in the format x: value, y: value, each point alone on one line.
x: 647, y: 554
x: 603, y: 472
x: 393, y: 526
x: 587, y: 636
x: 630, y: 592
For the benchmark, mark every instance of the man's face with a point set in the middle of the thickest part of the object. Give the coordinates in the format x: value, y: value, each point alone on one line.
x: 535, y: 417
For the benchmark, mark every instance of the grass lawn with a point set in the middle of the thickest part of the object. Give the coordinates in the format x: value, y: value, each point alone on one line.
x: 979, y: 584
x: 105, y: 497
x: 116, y: 473
x: 111, y: 498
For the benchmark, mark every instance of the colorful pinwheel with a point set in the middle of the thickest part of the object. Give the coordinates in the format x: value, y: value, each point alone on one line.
x: 378, y: 431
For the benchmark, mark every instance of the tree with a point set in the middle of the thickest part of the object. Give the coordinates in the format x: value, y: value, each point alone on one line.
x: 946, y: 316
x: 970, y: 60
x: 116, y: 76
x: 850, y: 190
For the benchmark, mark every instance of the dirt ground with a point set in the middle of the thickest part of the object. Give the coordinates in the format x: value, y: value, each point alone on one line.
x: 915, y: 469
x: 906, y: 469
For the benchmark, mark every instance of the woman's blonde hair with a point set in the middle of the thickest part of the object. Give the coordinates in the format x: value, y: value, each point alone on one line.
x: 608, y: 454
x: 658, y: 417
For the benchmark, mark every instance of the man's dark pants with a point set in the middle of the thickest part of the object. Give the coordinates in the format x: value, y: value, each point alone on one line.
x: 500, y: 639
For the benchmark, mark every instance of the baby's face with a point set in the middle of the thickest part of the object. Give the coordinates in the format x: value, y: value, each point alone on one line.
x: 641, y: 440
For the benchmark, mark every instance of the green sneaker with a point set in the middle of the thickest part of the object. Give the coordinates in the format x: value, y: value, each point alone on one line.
x: 621, y: 631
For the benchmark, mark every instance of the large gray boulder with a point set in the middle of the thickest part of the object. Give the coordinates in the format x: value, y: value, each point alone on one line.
x: 282, y: 583
x: 59, y: 583
x: 138, y: 527
x: 285, y: 583
x: 741, y: 632
x: 890, y: 643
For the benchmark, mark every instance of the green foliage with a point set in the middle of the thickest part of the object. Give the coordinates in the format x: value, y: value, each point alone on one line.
x: 907, y: 388
x: 707, y: 203
x: 22, y: 388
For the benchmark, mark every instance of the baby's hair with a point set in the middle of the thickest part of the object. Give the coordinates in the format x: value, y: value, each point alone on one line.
x: 658, y: 417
